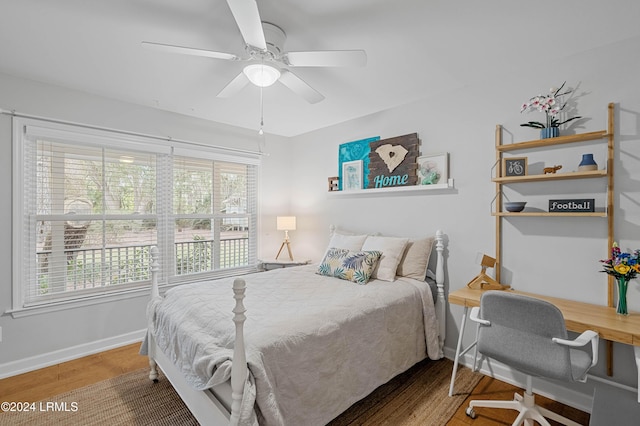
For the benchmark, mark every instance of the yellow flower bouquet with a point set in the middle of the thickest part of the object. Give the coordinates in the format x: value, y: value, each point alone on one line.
x: 624, y: 267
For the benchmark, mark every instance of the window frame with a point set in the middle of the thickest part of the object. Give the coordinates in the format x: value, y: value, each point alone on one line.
x: 26, y: 130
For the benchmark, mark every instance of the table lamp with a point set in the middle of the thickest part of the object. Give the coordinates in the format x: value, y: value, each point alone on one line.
x: 286, y: 224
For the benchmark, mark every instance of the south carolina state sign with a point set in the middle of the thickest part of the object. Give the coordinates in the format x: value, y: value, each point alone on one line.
x: 392, y: 162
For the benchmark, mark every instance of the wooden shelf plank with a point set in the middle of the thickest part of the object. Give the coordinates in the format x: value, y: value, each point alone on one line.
x: 557, y: 214
x: 552, y: 176
x: 582, y: 137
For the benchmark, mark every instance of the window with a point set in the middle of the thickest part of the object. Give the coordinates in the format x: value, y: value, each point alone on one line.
x: 90, y: 204
x: 211, y: 212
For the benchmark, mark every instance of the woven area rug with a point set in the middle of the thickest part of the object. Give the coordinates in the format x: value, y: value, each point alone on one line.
x: 416, y: 397
x: 130, y: 399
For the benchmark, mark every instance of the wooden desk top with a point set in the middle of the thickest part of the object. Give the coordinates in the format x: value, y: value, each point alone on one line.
x: 578, y: 316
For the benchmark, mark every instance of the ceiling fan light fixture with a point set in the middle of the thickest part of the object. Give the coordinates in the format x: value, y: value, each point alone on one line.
x: 261, y: 75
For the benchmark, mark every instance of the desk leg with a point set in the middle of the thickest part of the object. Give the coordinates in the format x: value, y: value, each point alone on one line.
x: 458, y: 348
x: 636, y: 352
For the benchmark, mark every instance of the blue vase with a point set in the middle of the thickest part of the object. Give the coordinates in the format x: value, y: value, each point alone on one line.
x: 549, y: 132
x: 587, y: 163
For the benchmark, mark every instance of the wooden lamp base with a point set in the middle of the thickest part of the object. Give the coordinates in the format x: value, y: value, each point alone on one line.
x: 285, y: 242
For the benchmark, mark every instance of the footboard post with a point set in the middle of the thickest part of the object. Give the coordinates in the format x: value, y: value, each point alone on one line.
x: 155, y: 292
x: 441, y: 312
x: 239, y: 370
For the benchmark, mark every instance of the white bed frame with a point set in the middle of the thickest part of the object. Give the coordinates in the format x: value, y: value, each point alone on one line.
x: 216, y: 409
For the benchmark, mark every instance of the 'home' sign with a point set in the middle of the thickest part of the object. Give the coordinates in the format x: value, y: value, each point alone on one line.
x: 578, y: 205
x: 392, y: 162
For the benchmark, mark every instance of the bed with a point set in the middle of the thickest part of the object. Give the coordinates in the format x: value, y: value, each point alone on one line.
x: 310, y: 344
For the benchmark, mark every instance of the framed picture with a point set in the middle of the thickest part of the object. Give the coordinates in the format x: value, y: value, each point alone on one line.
x: 352, y: 175
x: 514, y: 166
x: 433, y: 169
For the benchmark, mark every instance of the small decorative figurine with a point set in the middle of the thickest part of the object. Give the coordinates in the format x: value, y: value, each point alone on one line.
x: 552, y: 170
x: 333, y: 183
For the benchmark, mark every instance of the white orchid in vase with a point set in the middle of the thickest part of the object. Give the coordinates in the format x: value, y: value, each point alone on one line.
x: 551, y: 105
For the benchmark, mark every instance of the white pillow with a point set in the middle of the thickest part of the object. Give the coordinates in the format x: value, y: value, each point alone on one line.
x: 333, y: 229
x: 340, y: 238
x: 392, y: 249
x: 349, y: 242
x: 415, y: 260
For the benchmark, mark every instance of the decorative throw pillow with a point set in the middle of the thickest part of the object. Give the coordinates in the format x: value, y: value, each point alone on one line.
x: 392, y: 249
x: 415, y: 260
x: 349, y: 265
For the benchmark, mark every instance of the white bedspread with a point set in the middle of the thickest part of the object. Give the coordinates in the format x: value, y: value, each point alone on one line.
x: 315, y: 345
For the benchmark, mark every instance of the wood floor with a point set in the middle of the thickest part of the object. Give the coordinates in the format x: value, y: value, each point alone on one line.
x: 490, y: 388
x: 50, y: 381
x: 47, y: 382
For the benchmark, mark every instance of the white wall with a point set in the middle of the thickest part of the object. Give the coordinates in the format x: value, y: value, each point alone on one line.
x: 553, y: 256
x: 33, y: 340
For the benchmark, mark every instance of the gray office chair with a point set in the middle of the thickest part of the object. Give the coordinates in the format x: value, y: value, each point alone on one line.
x: 529, y: 335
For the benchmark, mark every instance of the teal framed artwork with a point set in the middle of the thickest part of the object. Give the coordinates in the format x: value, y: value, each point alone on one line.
x: 353, y: 151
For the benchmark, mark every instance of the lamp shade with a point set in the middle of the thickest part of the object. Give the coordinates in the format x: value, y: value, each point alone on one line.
x: 286, y: 223
x: 261, y: 75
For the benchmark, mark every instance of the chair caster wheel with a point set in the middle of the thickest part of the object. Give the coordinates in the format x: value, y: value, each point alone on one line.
x: 470, y: 412
x: 155, y: 380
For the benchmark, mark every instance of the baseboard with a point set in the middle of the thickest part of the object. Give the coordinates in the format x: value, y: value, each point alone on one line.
x: 552, y: 390
x: 14, y: 368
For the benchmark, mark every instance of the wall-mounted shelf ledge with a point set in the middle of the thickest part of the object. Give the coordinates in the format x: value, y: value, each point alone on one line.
x: 396, y: 189
x: 582, y: 137
x: 552, y: 176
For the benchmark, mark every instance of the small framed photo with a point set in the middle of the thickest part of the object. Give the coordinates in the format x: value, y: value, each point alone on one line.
x: 333, y: 183
x: 352, y: 175
x: 433, y: 169
x: 514, y: 166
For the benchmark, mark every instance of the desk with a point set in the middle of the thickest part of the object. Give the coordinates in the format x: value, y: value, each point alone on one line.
x: 578, y: 317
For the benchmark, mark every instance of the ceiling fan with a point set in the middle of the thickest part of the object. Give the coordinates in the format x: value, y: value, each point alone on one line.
x: 267, y: 60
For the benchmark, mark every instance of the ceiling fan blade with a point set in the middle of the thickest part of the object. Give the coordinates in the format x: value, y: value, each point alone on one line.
x: 247, y: 16
x: 299, y: 87
x: 234, y: 86
x: 190, y: 51
x: 327, y: 58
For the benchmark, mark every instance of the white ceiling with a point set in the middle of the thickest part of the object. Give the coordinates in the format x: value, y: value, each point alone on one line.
x: 415, y: 48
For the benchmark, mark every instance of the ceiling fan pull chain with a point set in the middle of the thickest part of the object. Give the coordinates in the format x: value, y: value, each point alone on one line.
x: 261, y: 132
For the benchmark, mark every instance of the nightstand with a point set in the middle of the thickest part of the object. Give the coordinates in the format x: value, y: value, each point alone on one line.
x: 270, y: 264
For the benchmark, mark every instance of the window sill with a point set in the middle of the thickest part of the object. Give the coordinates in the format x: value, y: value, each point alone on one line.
x: 97, y: 299
x: 63, y: 305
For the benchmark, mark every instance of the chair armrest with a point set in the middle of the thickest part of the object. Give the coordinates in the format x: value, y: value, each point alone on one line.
x: 582, y: 340
x: 473, y: 316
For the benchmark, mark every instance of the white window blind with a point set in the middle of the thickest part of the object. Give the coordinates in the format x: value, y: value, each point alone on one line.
x: 214, y: 216
x: 92, y: 203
